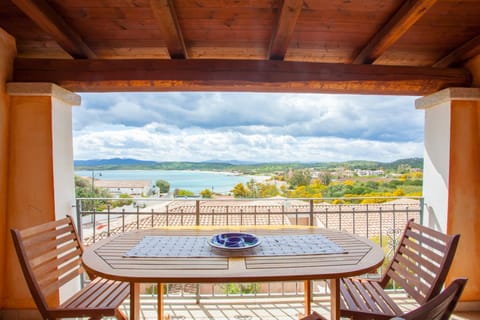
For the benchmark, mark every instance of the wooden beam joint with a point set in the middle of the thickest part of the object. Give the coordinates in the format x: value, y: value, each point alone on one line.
x: 164, y: 12
x: 281, y: 35
x: 51, y: 22
x: 410, y: 12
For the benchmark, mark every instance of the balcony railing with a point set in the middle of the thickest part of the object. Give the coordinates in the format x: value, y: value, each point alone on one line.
x: 379, y: 219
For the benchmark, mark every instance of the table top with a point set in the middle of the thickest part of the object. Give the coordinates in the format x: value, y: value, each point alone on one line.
x: 108, y: 259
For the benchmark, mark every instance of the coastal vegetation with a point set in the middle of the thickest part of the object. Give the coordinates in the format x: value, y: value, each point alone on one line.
x: 346, y: 180
x: 85, y: 189
x: 302, y: 185
x: 162, y: 185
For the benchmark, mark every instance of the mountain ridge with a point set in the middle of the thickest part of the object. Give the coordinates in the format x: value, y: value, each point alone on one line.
x: 233, y: 165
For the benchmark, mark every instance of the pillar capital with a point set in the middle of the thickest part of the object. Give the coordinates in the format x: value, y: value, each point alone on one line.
x: 447, y: 95
x: 46, y: 89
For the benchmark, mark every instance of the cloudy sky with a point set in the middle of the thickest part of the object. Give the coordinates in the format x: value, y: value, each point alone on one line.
x: 260, y: 127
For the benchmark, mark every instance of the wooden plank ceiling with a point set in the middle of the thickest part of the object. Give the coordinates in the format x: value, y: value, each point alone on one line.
x: 352, y: 46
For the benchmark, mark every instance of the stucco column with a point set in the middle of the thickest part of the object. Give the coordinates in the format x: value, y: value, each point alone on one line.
x: 452, y: 178
x: 41, y: 181
x: 7, y: 56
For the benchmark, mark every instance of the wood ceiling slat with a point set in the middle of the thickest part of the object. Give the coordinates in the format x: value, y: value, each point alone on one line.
x: 461, y: 54
x: 398, y: 25
x: 47, y: 19
x: 225, y: 3
x: 164, y: 11
x: 226, y: 36
x: 237, y: 75
x: 287, y: 19
x: 226, y: 14
x: 102, y: 3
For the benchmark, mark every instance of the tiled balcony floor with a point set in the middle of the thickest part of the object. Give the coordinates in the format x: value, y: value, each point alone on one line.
x: 253, y: 309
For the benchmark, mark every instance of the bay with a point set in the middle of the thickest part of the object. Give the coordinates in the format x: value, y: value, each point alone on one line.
x: 195, y: 181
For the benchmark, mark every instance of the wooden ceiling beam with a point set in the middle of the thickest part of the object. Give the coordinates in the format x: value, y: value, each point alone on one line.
x: 281, y: 35
x: 410, y: 12
x: 237, y: 75
x: 461, y: 54
x: 51, y: 22
x: 164, y: 12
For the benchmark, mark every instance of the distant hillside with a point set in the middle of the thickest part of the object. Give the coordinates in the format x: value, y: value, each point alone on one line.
x: 111, y: 162
x: 246, y: 168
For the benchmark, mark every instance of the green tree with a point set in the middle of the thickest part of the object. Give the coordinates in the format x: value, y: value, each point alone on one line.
x: 183, y: 193
x: 299, y: 178
x: 163, y: 186
x: 206, y: 193
x: 325, y: 177
x: 83, y: 189
x: 240, y: 191
x: 266, y: 190
x: 124, y: 200
x: 252, y: 189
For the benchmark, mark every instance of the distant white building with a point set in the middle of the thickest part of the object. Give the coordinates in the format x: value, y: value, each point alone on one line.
x: 131, y: 187
x: 364, y: 173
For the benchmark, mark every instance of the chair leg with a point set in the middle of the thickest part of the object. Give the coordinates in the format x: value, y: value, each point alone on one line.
x: 120, y: 315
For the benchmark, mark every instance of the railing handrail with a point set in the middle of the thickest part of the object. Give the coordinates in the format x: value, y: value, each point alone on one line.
x: 378, y: 219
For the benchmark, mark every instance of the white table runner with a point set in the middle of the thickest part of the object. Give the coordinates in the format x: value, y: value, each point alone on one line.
x: 197, y: 246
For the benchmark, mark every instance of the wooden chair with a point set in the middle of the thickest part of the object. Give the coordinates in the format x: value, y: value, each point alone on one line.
x: 438, y: 308
x: 419, y: 266
x: 50, y: 256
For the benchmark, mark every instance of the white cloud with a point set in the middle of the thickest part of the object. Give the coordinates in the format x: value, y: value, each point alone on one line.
x: 253, y: 127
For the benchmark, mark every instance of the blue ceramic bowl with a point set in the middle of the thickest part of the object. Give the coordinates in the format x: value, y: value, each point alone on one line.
x: 234, y: 242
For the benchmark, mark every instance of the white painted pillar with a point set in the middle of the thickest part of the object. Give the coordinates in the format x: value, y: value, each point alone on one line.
x: 452, y: 178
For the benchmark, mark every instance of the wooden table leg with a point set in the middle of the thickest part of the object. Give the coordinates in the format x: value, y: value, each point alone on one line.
x: 335, y: 299
x: 307, y: 296
x: 160, y: 307
x: 134, y: 300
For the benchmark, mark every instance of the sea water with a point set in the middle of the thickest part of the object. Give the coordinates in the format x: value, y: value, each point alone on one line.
x: 195, y: 181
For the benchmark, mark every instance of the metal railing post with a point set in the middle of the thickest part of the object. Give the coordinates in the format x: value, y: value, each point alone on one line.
x: 197, y: 212
x: 78, y: 208
x: 311, y: 212
x: 422, y: 208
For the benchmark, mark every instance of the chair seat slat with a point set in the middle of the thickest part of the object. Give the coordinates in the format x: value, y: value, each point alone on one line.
x: 367, y: 296
x: 346, y: 298
x: 96, y: 293
x: 386, y: 303
x: 357, y: 298
x: 93, y: 295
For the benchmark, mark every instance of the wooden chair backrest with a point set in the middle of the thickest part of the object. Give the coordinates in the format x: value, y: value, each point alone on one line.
x: 421, y: 261
x: 50, y: 256
x: 441, y: 306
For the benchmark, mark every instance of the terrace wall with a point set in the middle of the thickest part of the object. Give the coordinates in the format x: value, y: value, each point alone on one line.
x: 7, y: 55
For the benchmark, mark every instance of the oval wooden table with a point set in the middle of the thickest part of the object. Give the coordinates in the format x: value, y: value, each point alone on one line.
x: 108, y: 259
